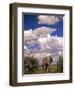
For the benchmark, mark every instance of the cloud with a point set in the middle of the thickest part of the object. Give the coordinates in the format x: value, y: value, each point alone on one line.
x: 52, y: 44
x: 34, y: 34
x: 56, y: 42
x: 52, y: 41
x: 43, y: 31
x: 47, y: 19
x: 29, y: 35
x: 44, y: 43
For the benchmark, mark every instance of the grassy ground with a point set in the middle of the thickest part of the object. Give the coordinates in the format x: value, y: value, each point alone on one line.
x: 52, y: 69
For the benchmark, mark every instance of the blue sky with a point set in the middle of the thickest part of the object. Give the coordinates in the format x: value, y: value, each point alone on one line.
x: 31, y: 22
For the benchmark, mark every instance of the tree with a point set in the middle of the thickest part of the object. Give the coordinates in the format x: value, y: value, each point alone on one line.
x: 60, y: 64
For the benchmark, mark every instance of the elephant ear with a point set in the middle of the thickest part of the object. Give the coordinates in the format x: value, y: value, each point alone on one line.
x: 51, y: 60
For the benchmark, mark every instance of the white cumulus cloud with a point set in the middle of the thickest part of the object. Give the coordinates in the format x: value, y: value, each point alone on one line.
x: 48, y: 43
x: 28, y: 35
x: 51, y: 43
x: 47, y: 19
x: 43, y: 31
